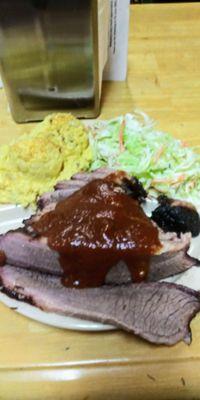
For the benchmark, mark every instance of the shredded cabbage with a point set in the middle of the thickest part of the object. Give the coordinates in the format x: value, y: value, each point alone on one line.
x: 162, y: 163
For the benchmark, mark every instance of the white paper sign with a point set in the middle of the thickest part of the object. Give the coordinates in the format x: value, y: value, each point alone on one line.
x: 116, y: 67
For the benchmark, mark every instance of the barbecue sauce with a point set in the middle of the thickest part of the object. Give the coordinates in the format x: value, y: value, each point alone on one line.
x: 94, y: 229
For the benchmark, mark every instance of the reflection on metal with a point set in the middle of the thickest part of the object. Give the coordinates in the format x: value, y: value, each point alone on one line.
x: 49, y: 57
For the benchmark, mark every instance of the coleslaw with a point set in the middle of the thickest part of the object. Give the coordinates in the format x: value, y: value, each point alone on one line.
x: 162, y: 163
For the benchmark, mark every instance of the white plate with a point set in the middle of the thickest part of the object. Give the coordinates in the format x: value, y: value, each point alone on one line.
x: 11, y: 217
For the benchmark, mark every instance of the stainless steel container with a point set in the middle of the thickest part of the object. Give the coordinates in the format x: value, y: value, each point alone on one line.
x: 49, y: 56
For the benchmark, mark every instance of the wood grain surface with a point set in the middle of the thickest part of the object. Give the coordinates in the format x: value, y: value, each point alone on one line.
x: 40, y: 362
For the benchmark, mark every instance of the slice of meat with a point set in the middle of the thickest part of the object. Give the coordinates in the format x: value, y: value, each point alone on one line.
x: 23, y: 251
x: 161, y: 267
x: 158, y: 312
x: 174, y: 258
x: 53, y: 197
x: 84, y: 177
x: 176, y: 216
x: 64, y: 189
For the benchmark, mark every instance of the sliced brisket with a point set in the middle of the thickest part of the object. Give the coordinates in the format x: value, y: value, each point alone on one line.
x: 84, y: 177
x: 162, y: 266
x: 23, y: 251
x: 158, y: 312
x: 29, y: 252
x: 64, y: 189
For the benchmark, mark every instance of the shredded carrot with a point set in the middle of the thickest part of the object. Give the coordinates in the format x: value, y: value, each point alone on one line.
x: 191, y: 185
x: 158, y: 154
x: 184, y: 143
x: 171, y: 181
x: 121, y: 134
x: 162, y: 181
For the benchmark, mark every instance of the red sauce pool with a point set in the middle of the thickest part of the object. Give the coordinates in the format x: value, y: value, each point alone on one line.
x: 94, y: 229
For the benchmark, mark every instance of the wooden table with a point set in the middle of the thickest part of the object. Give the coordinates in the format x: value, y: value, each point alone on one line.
x: 40, y: 362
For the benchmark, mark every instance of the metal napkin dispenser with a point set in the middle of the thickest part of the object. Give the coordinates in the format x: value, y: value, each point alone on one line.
x: 52, y: 54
